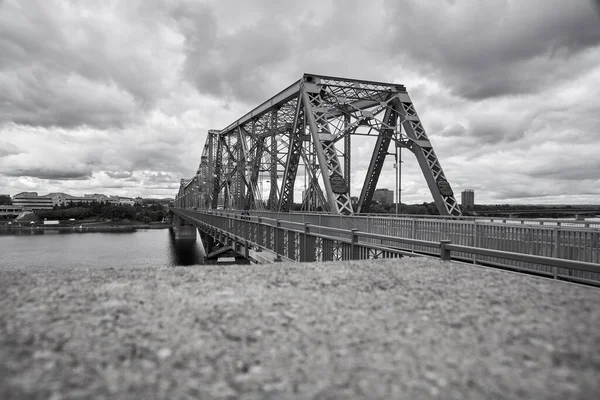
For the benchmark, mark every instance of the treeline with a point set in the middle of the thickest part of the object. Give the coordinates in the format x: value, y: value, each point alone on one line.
x: 497, y: 207
x: 106, y: 211
x: 378, y: 208
x: 412, y: 209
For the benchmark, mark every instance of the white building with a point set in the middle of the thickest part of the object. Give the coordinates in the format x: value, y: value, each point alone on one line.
x: 31, y: 201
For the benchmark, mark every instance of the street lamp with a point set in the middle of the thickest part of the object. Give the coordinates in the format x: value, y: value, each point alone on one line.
x: 397, y: 166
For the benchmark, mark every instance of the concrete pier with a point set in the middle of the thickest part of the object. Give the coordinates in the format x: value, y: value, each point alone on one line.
x: 182, y: 230
x: 185, y: 232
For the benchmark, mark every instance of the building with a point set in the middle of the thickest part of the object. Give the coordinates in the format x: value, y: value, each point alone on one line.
x: 118, y: 200
x: 126, y: 201
x: 113, y: 200
x: 99, y: 198
x: 467, y: 199
x: 63, y: 199
x: 12, y: 211
x: 384, y: 196
x: 29, y: 201
x: 58, y: 199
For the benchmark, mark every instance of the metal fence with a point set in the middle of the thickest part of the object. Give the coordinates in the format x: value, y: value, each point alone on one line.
x: 551, y: 251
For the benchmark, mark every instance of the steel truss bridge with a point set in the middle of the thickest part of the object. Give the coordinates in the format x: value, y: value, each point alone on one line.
x: 312, y: 124
x: 310, y: 127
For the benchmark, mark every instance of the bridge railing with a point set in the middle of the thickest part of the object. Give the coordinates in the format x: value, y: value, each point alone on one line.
x: 572, y: 243
x: 518, y: 248
x: 572, y: 223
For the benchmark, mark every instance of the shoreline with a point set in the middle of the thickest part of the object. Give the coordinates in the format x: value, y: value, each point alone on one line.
x: 9, y: 229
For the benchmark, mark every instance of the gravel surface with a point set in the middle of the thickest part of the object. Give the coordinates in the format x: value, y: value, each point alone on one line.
x: 388, y: 329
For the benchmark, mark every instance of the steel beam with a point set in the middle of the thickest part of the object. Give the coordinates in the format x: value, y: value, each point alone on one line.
x: 430, y: 166
x: 376, y: 164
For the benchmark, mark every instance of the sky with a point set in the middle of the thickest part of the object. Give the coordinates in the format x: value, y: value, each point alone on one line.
x: 116, y: 97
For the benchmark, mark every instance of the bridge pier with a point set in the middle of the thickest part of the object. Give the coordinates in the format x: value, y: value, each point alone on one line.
x: 182, y: 230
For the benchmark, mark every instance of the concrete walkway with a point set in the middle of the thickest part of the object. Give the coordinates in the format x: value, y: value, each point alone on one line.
x: 394, y: 329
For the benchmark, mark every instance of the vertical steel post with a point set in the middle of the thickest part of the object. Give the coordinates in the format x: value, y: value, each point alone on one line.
x: 273, y: 201
x: 556, y: 251
x: 307, y: 244
x: 291, y: 249
x: 259, y: 234
x: 444, y: 251
x: 413, y: 233
x: 278, y: 240
x: 347, y: 154
x: 474, y: 243
x: 354, y: 250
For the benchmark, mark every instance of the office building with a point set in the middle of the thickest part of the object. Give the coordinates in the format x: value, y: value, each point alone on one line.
x: 96, y: 197
x: 64, y: 199
x: 29, y: 201
x: 384, y: 196
x: 467, y: 199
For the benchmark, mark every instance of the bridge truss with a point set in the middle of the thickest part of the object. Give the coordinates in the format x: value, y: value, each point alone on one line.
x: 311, y: 125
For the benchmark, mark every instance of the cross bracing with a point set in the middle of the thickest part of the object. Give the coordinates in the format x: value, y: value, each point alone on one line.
x: 302, y: 138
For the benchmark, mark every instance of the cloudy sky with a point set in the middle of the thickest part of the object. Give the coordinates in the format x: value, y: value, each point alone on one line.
x: 116, y: 97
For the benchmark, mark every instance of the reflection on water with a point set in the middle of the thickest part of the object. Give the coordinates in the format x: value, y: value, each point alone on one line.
x: 184, y: 252
x: 135, y: 249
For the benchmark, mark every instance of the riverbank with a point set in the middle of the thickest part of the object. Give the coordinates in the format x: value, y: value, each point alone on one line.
x: 78, y: 228
x: 387, y: 329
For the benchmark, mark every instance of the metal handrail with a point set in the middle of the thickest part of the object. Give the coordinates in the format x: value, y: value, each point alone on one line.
x: 445, y: 246
x: 550, y: 261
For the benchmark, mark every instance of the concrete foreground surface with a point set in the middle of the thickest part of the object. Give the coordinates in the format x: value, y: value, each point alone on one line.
x: 388, y: 329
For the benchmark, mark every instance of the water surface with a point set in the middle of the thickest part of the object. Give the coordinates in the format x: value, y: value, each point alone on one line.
x: 138, y: 249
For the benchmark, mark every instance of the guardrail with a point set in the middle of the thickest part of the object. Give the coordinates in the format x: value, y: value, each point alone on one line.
x: 572, y: 223
x: 302, y: 241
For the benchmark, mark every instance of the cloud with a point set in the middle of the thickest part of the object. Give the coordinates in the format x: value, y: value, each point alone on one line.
x: 8, y: 149
x: 91, y: 63
x: 119, y: 174
x: 42, y: 173
x: 121, y: 95
x: 230, y: 64
x: 484, y: 49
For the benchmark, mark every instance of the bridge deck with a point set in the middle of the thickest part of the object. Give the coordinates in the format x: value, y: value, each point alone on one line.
x: 571, y: 253
x: 373, y: 329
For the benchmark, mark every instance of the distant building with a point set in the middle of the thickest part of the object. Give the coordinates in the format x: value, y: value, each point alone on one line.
x: 31, y: 201
x: 96, y: 197
x: 60, y: 199
x: 117, y: 200
x: 384, y: 196
x: 9, y: 210
x: 126, y: 201
x: 113, y: 200
x: 467, y: 199
x: 138, y: 200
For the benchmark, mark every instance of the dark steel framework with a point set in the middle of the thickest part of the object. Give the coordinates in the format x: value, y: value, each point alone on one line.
x: 310, y: 124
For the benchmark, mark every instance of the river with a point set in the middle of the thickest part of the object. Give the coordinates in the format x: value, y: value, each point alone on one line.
x: 138, y: 249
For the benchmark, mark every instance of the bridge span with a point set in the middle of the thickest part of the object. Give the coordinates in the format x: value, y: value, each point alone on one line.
x: 312, y: 127
x: 553, y: 251
x: 301, y: 142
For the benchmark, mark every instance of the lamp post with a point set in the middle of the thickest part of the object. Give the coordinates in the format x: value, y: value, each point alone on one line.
x: 266, y: 203
x: 397, y: 165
